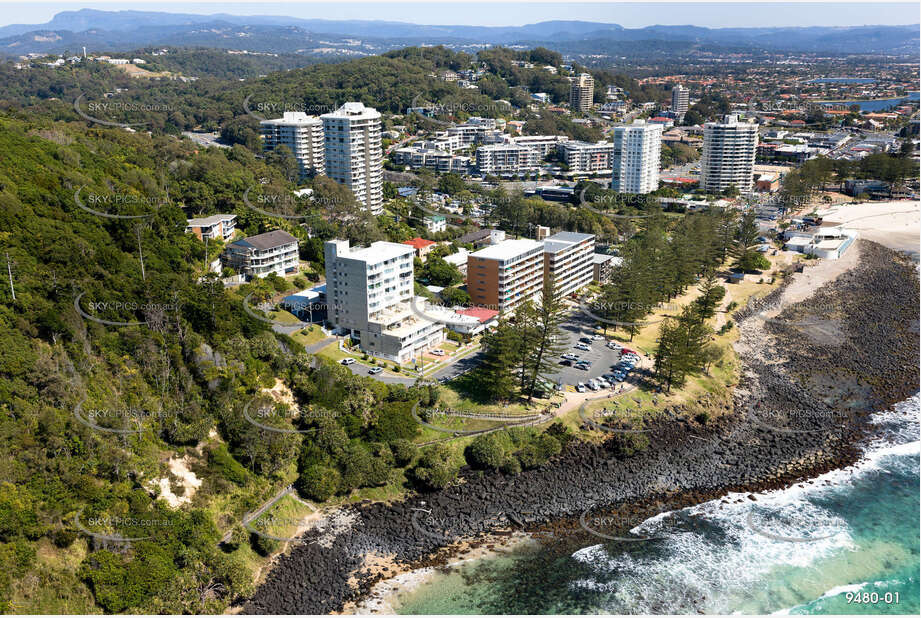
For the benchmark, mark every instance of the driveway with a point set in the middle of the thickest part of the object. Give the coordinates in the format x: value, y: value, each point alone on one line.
x: 386, y: 377
x: 459, y: 367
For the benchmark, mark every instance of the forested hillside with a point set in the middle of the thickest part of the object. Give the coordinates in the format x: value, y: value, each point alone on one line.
x: 99, y: 419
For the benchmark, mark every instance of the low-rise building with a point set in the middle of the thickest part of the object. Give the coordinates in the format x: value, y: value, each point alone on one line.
x: 482, y: 238
x: 436, y: 223
x: 214, y: 227
x: 420, y: 246
x: 543, y: 144
x: 257, y: 256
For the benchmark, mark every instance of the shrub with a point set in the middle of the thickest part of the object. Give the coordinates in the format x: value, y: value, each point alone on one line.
x: 403, y: 451
x: 486, y: 451
x: 318, y: 482
x: 223, y: 464
x: 529, y: 456
x: 510, y: 466
x: 396, y: 368
x: 434, y: 469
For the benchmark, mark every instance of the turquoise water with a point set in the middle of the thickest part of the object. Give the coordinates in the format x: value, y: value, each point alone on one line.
x: 880, y: 104
x: 803, y: 550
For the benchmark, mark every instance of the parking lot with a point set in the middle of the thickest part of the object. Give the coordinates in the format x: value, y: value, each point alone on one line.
x: 579, y: 325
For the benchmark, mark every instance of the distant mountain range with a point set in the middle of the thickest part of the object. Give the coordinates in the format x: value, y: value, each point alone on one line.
x: 124, y: 30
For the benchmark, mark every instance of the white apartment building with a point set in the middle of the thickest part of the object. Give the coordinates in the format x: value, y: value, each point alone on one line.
x: 369, y: 291
x: 302, y: 134
x: 353, y: 152
x: 438, y: 160
x: 506, y: 159
x: 728, y: 156
x: 543, y: 144
x: 569, y: 261
x: 680, y: 99
x: 635, y: 159
x: 587, y: 157
x: 582, y: 92
x: 257, y: 256
x: 504, y: 275
x: 215, y: 227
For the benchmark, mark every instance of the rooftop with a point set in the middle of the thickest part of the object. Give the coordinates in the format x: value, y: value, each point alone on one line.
x: 354, y: 111
x: 507, y: 249
x: 480, y: 313
x: 418, y: 243
x: 378, y: 252
x: 293, y: 118
x: 268, y: 240
x: 205, y: 221
x: 564, y: 240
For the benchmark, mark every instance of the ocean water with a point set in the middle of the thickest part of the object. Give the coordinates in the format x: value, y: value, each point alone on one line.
x: 845, y: 543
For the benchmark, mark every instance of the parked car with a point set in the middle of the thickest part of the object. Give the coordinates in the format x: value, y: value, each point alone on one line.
x: 583, y: 364
x: 597, y: 337
x: 438, y: 352
x: 348, y: 361
x: 570, y: 356
x: 566, y: 362
x: 583, y: 347
x: 580, y: 387
x: 375, y: 370
x: 591, y: 384
x: 585, y: 339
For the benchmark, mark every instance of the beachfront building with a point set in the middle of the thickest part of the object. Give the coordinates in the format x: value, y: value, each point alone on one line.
x: 728, y: 157
x: 302, y: 135
x: 635, y: 157
x: 504, y: 275
x: 369, y: 292
x: 829, y: 240
x: 568, y: 261
x: 352, y: 137
x: 257, y: 256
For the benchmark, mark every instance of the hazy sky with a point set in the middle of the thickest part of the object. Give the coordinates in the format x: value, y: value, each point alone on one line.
x: 631, y: 15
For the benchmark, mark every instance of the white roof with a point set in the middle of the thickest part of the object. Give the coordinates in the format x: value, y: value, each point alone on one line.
x: 354, y: 110
x: 379, y: 251
x: 209, y: 220
x: 293, y: 118
x: 508, y: 249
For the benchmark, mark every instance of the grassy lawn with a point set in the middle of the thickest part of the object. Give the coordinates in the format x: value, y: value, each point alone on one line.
x: 284, y: 518
x: 283, y: 317
x: 309, y: 336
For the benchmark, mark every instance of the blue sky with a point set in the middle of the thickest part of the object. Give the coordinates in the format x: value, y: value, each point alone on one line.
x: 631, y: 15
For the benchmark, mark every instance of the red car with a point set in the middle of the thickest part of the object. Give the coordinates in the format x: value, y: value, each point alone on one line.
x: 627, y: 351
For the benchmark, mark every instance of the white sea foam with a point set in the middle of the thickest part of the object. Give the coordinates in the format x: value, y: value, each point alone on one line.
x: 712, y: 556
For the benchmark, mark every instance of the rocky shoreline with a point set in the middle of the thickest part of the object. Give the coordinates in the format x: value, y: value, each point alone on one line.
x: 811, y: 376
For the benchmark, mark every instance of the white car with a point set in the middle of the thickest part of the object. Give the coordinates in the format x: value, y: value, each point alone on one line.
x: 597, y: 337
x: 438, y: 352
x: 583, y: 347
x: 592, y: 385
x: 580, y: 387
x: 348, y: 361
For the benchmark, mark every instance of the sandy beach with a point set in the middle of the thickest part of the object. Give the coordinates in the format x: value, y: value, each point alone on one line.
x: 896, y: 225
x: 385, y: 595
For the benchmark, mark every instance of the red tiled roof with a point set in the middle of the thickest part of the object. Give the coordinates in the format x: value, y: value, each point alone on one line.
x: 480, y: 313
x: 418, y: 243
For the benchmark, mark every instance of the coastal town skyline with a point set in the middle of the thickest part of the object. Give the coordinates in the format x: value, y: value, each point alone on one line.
x: 539, y: 310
